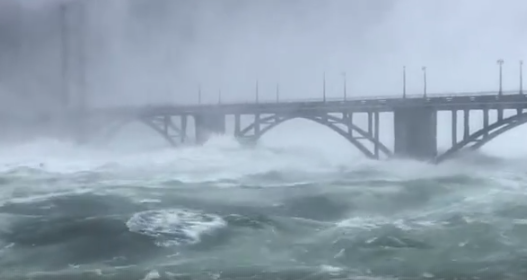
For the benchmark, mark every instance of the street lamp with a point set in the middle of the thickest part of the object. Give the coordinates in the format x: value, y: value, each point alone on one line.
x: 277, y: 93
x: 500, y: 63
x: 521, y: 76
x: 345, y: 86
x: 257, y: 92
x: 424, y: 80
x: 219, y: 96
x: 199, y: 94
x: 404, y: 81
x: 324, y: 88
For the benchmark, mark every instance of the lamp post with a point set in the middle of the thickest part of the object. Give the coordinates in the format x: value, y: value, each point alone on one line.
x: 277, y: 93
x: 404, y: 81
x: 345, y: 86
x: 324, y: 88
x: 500, y: 64
x: 424, y: 80
x: 199, y: 94
x: 521, y: 76
x: 257, y: 92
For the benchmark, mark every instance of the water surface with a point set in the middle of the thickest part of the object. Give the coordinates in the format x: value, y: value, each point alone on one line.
x: 227, y: 212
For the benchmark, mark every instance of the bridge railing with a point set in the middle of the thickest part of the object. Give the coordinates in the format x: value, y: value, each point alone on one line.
x: 356, y: 98
x: 367, y: 98
x: 321, y: 100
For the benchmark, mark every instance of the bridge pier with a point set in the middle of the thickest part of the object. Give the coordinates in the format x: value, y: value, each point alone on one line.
x: 415, y: 133
x: 240, y: 133
x: 207, y: 125
x: 183, y: 128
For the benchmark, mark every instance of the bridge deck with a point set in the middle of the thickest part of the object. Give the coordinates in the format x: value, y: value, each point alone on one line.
x: 473, y: 101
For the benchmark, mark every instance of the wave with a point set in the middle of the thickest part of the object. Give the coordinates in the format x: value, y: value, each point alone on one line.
x: 307, y: 224
x: 259, y: 212
x: 174, y: 226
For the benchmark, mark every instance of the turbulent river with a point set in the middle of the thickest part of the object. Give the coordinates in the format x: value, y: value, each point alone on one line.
x: 226, y: 212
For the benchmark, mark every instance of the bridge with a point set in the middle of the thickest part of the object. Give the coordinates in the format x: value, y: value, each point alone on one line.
x: 414, y: 117
x: 414, y: 121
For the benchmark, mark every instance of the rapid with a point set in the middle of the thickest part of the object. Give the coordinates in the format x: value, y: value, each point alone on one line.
x: 294, y: 207
x: 281, y: 210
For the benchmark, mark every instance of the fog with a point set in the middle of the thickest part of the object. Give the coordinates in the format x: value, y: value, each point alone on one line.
x: 144, y: 52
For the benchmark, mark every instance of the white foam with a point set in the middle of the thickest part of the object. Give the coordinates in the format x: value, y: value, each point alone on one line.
x: 152, y: 275
x: 174, y: 226
x: 40, y: 197
x: 221, y: 155
x: 333, y: 270
x: 220, y: 159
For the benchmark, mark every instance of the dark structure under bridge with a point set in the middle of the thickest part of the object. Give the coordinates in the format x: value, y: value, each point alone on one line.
x: 414, y: 121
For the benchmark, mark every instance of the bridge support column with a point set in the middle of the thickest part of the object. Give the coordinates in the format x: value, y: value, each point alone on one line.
x: 207, y: 125
x: 257, y: 124
x: 237, y: 125
x: 454, y: 127
x: 376, y: 135
x: 415, y: 132
x: 466, y: 124
x: 486, y: 120
x: 183, y: 128
x: 350, y: 122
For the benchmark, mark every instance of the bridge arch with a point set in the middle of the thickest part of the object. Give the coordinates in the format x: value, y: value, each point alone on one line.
x: 167, y: 130
x: 327, y: 121
x: 483, y: 136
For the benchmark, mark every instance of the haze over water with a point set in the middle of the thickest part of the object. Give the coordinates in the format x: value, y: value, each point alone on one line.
x: 303, y: 203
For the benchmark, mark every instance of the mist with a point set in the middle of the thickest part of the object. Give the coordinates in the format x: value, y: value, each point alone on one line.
x: 140, y: 52
x: 303, y: 202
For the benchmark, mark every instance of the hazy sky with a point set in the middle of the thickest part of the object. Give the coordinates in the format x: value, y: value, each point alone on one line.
x: 146, y: 51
